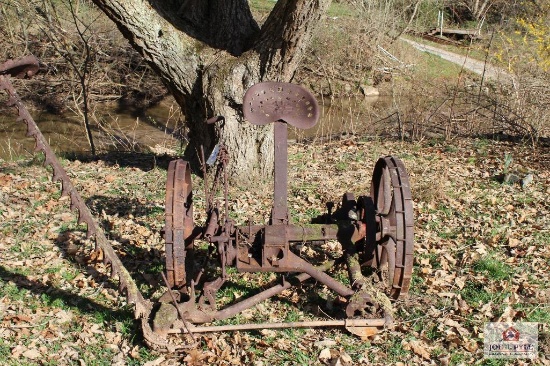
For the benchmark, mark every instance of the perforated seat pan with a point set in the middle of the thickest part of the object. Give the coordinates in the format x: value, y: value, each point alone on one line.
x: 275, y: 101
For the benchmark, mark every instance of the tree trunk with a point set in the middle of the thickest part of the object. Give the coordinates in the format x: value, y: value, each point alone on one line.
x: 478, y: 8
x: 208, y: 53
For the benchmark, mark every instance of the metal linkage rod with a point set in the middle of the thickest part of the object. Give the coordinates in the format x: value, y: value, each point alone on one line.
x: 304, y: 324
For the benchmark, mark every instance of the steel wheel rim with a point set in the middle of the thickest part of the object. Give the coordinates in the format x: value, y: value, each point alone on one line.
x: 393, y: 254
x: 179, y: 224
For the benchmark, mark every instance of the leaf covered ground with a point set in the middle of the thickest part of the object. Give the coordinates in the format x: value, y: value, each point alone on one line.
x: 482, y: 253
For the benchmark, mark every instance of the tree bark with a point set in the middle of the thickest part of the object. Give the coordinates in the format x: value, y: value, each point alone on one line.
x: 208, y: 53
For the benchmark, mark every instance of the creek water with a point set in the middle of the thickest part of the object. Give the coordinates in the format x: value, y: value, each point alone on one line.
x: 113, y: 129
x: 156, y: 128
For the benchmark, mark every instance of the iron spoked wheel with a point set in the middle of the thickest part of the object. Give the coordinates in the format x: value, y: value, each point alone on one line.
x: 179, y: 225
x: 392, y: 253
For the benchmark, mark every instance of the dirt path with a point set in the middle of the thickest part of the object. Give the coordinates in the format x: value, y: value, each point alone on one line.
x: 476, y: 66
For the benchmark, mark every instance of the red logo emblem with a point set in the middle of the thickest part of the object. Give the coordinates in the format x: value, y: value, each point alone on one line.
x: 510, y: 335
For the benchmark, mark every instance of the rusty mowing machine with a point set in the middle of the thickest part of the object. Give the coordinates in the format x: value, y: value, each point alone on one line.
x: 375, y: 233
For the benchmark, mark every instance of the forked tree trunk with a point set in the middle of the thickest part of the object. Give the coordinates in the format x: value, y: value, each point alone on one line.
x: 208, y: 53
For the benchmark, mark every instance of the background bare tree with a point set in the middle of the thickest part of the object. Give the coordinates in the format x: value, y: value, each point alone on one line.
x: 477, y: 8
x: 79, y: 56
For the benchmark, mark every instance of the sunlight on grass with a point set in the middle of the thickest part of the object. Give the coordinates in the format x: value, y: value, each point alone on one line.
x: 477, y: 295
x: 494, y: 268
x: 337, y: 9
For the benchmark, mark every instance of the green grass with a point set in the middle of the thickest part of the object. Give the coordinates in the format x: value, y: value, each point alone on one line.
x: 341, y: 166
x: 69, y: 274
x: 342, y: 9
x: 395, y: 350
x: 493, y: 267
x: 312, y: 212
x: 477, y: 294
x: 12, y: 291
x: 449, y: 233
x: 482, y: 146
x: 417, y: 282
x: 261, y: 6
x: 300, y: 357
x: 127, y: 326
x: 451, y: 148
x: 96, y: 355
x: 53, y: 301
x: 145, y: 355
x: 542, y: 238
x: 457, y: 358
x: 494, y: 362
x: 537, y: 313
x: 476, y: 50
x: 5, y: 351
x: 434, y: 68
x: 337, y: 9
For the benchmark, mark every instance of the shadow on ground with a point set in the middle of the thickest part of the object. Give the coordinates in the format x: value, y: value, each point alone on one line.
x: 83, y: 304
x: 127, y: 159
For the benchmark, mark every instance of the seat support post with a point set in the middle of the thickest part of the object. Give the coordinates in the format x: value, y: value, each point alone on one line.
x: 279, y: 215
